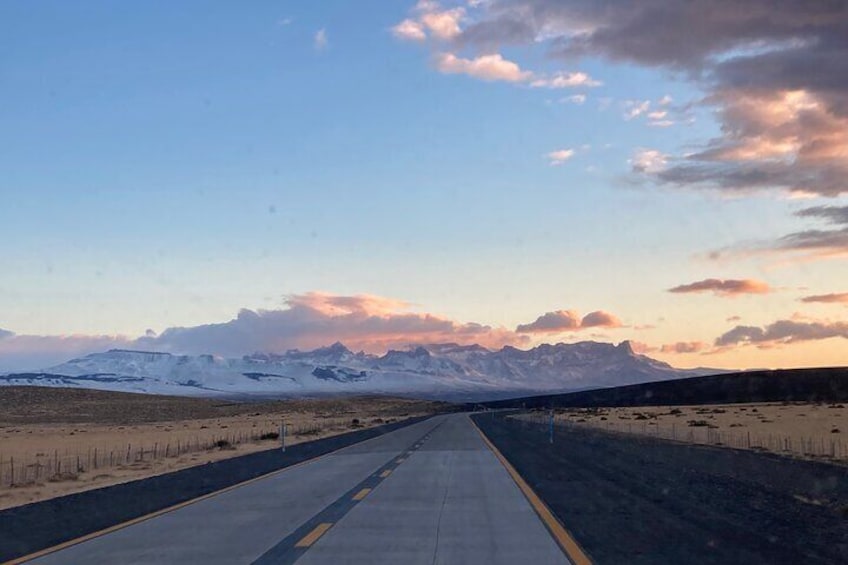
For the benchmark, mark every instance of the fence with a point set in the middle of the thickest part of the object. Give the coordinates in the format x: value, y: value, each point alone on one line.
x: 814, y: 446
x: 69, y: 463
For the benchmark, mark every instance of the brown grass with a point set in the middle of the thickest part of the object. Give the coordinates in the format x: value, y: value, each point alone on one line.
x: 55, y: 442
x: 810, y: 430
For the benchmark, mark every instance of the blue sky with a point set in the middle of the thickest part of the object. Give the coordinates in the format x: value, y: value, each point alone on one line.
x: 170, y: 164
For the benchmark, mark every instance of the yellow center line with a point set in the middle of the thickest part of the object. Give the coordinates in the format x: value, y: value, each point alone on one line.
x: 385, y: 473
x: 313, y: 536
x: 568, y: 544
x: 361, y: 494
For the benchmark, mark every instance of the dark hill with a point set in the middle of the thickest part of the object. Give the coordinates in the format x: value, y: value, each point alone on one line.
x: 785, y: 385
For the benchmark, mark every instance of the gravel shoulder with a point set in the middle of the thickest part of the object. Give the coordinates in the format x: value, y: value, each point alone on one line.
x: 630, y: 499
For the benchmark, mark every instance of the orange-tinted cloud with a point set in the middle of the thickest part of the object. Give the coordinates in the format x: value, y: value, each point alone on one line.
x: 569, y: 320
x: 833, y: 298
x: 726, y: 287
x: 367, y: 322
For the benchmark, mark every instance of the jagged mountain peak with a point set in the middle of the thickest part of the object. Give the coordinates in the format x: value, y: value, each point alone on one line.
x: 437, y: 370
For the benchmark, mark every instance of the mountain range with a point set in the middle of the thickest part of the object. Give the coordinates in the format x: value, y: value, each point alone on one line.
x: 446, y: 371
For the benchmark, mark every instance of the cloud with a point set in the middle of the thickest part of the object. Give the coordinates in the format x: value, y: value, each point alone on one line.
x: 564, y: 80
x: 568, y: 320
x: 368, y: 322
x: 485, y: 67
x: 831, y: 214
x: 810, y: 244
x: 782, y: 332
x: 776, y: 78
x: 726, y: 287
x: 409, y: 30
x: 574, y: 99
x: 600, y: 319
x: 684, y: 347
x: 560, y: 156
x: 444, y: 24
x: 833, y: 298
x: 648, y: 161
x: 441, y: 28
x: 429, y: 18
x: 320, y: 41
x: 635, y: 108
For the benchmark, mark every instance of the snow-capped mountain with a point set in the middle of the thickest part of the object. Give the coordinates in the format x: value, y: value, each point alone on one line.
x: 436, y: 371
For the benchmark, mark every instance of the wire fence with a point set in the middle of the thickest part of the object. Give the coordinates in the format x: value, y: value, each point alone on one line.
x: 700, y: 432
x: 69, y: 462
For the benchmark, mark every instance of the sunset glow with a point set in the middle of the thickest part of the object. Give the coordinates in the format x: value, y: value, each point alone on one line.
x: 197, y: 179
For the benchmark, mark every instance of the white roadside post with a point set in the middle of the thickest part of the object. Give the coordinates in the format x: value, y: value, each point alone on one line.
x: 283, y: 435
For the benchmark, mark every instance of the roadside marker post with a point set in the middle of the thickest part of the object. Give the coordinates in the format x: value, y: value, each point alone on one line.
x: 551, y: 426
x: 283, y: 435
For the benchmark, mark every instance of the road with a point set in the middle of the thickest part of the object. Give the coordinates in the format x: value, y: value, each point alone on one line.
x: 432, y: 492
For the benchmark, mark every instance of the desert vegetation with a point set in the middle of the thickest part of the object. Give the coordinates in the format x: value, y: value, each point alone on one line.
x: 55, y: 442
x: 810, y: 430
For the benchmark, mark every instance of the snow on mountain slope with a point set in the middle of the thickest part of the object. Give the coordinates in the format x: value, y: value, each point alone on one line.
x: 439, y: 371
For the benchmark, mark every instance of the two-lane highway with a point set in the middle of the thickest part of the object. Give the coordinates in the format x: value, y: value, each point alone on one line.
x: 432, y: 492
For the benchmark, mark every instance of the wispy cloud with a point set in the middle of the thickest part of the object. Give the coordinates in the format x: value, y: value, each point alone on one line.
x: 320, y: 41
x: 833, y: 298
x: 556, y: 158
x: 564, y: 80
x: 724, y: 287
x: 782, y: 332
x: 806, y: 245
x: 648, y: 160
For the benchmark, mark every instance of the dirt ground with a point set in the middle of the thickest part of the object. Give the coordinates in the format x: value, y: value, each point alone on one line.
x: 55, y: 442
x: 816, y: 430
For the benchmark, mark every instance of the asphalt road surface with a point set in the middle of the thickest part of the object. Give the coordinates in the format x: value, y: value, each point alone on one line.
x: 432, y: 492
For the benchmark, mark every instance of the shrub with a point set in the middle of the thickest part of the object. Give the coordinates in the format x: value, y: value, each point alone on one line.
x: 270, y: 435
x: 698, y: 423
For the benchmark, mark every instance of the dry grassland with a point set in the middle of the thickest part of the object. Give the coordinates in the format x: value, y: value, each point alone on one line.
x: 55, y: 442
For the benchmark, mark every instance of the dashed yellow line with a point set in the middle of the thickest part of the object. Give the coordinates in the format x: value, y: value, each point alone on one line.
x: 385, y: 473
x: 568, y: 544
x: 361, y: 494
x: 313, y: 536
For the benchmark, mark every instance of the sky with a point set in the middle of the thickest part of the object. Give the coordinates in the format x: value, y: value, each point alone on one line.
x: 210, y: 177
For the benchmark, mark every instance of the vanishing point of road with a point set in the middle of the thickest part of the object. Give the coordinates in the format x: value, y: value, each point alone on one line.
x: 432, y: 492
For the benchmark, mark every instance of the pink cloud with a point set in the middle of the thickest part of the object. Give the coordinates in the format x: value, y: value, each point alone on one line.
x: 833, y: 298
x: 569, y: 320
x: 728, y: 287
x: 314, y: 319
